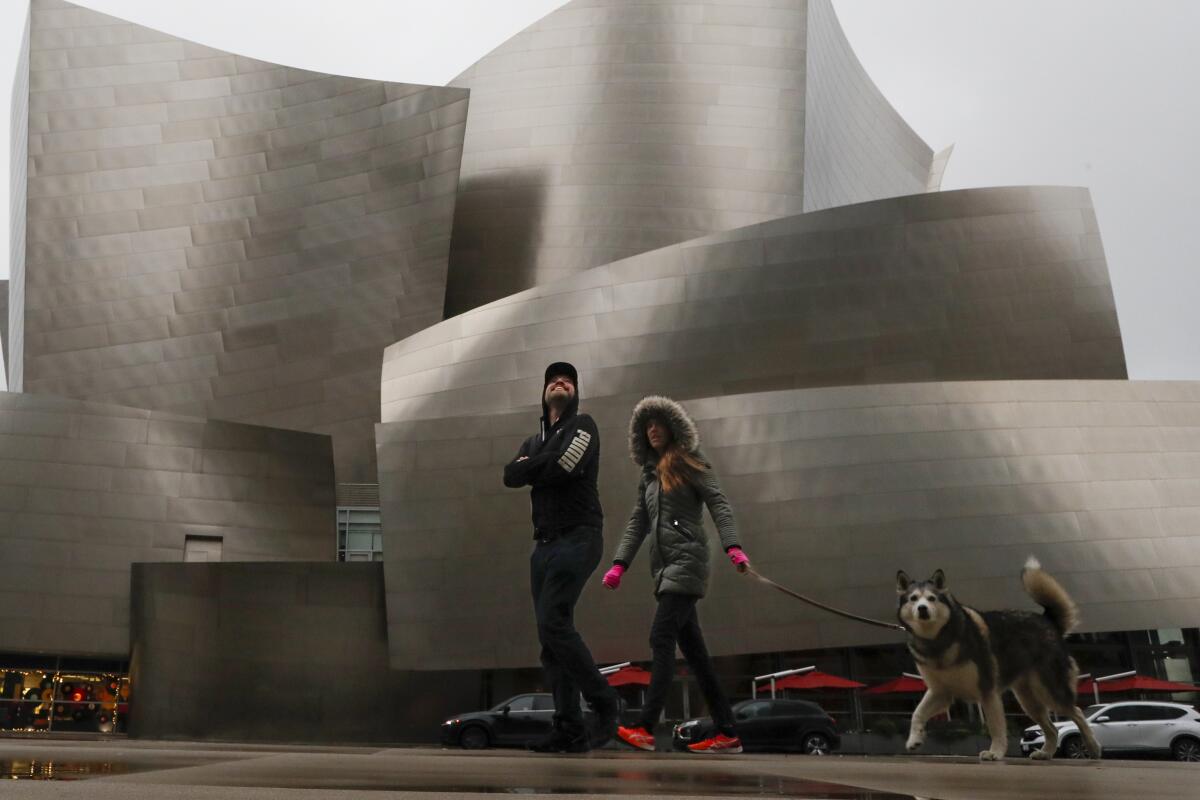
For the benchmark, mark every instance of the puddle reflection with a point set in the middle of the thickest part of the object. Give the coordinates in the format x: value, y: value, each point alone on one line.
x: 37, y: 770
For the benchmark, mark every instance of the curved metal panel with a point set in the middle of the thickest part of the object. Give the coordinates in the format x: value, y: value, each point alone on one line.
x: 218, y: 236
x: 937, y: 170
x: 14, y: 328
x: 608, y: 129
x: 834, y: 490
x: 856, y: 146
x: 611, y: 129
x: 979, y: 283
x: 87, y: 489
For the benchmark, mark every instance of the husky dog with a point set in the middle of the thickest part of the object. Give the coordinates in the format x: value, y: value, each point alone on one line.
x: 976, y: 655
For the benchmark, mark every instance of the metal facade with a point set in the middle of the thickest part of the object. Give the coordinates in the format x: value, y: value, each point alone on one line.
x: 703, y: 198
x: 856, y: 146
x: 611, y: 128
x: 834, y: 490
x: 978, y: 283
x: 282, y: 652
x: 218, y: 236
x: 87, y: 489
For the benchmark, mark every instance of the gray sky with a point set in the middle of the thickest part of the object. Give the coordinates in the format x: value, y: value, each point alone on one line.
x: 1097, y: 93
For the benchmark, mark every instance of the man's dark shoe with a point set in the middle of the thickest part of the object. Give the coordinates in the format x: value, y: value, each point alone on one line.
x: 559, y: 741
x: 608, y: 717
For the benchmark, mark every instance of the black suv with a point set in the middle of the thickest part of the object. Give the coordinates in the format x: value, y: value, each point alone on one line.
x: 793, y: 725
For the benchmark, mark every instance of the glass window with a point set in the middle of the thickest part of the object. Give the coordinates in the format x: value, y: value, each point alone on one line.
x: 1168, y: 712
x: 359, y: 534
x: 757, y: 708
x: 792, y: 708
x: 522, y: 703
x: 543, y: 702
x: 1129, y: 713
x: 63, y: 700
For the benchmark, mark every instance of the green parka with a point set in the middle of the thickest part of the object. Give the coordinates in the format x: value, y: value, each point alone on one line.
x: 673, y: 522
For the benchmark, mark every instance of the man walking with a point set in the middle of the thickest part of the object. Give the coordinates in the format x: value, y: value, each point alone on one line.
x: 561, y: 463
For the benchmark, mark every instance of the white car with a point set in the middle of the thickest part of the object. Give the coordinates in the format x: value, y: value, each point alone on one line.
x: 1132, y: 727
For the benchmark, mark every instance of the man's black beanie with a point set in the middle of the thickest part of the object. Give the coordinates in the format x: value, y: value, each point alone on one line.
x: 561, y: 368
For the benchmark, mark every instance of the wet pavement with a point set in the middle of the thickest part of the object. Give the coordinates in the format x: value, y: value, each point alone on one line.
x: 131, y: 770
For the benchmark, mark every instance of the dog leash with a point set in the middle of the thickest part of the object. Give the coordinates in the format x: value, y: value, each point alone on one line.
x: 878, y: 623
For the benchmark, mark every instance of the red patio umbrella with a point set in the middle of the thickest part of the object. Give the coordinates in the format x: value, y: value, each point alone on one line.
x: 1137, y: 683
x: 812, y: 680
x: 905, y: 684
x: 629, y: 675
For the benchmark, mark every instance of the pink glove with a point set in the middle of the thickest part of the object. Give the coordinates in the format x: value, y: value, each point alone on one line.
x: 612, y: 578
x: 738, y: 558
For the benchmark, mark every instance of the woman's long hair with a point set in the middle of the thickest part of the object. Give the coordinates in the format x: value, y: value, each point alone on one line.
x: 677, y: 467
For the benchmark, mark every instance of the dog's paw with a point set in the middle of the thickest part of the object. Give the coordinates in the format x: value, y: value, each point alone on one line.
x: 1041, y: 755
x: 990, y: 755
x: 914, y: 743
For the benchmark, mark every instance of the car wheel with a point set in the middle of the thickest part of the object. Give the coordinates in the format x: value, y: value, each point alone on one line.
x: 1073, y: 747
x: 815, y: 744
x: 474, y: 738
x: 1185, y: 749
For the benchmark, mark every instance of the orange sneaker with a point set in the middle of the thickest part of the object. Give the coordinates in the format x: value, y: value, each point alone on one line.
x: 636, y: 737
x: 717, y: 744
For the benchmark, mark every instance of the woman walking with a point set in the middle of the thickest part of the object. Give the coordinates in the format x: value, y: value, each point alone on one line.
x: 675, y: 486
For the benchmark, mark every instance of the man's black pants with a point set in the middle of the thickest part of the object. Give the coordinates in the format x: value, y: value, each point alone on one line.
x: 675, y: 622
x: 558, y: 570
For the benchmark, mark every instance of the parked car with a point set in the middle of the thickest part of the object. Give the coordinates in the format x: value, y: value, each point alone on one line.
x: 1131, y: 727
x: 790, y: 725
x: 513, y: 723
x: 516, y: 722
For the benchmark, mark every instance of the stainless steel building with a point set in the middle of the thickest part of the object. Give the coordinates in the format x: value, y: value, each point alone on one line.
x: 703, y: 198
x: 834, y: 490
x: 89, y: 488
x: 608, y: 129
x: 217, y: 236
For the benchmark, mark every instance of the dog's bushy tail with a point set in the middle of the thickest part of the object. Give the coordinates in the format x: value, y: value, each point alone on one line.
x: 1046, y: 592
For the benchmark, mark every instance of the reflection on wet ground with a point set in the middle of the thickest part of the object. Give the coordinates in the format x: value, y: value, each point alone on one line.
x: 649, y: 780
x: 35, y: 770
x: 636, y: 783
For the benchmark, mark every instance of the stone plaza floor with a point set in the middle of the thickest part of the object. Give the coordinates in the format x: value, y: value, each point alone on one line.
x: 135, y: 769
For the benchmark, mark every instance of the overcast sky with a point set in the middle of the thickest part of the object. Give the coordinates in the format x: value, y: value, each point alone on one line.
x: 1097, y: 93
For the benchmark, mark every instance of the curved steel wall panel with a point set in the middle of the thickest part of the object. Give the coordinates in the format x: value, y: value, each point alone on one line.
x: 218, y: 236
x: 14, y: 328
x: 87, y: 489
x: 612, y: 128
x: 856, y: 146
x: 980, y: 283
x: 834, y: 489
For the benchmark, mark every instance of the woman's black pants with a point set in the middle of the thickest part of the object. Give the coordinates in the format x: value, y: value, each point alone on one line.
x: 676, y: 623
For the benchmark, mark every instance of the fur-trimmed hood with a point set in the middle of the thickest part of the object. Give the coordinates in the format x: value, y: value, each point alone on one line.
x: 683, y: 430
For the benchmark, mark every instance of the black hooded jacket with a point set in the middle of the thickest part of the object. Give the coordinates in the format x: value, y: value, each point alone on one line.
x: 562, y: 464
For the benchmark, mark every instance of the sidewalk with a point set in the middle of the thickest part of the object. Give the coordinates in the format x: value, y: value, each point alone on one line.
x: 133, y: 770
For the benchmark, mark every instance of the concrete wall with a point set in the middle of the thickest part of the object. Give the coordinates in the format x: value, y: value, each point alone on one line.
x: 277, y: 652
x: 856, y: 146
x: 87, y: 489
x: 979, y: 283
x: 834, y: 490
x: 228, y: 238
